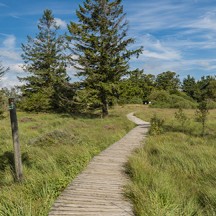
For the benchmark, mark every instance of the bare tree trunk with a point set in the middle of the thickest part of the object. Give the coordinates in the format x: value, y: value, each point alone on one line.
x: 104, y: 107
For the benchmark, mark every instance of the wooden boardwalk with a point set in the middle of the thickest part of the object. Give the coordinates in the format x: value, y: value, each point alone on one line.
x: 98, y: 190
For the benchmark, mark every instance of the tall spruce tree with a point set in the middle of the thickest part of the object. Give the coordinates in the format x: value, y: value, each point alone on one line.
x: 99, y: 45
x: 45, y: 64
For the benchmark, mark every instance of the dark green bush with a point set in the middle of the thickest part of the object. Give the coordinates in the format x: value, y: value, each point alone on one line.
x: 162, y: 99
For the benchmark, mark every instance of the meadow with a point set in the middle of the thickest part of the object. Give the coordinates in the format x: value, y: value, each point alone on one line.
x: 174, y: 173
x: 55, y: 148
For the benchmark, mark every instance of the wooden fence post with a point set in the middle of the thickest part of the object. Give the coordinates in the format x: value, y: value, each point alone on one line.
x: 15, y: 136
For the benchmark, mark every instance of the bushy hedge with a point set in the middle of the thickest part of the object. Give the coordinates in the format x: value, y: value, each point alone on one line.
x: 162, y: 99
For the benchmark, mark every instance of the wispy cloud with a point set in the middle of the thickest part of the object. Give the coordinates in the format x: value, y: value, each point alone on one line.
x: 156, y: 15
x: 8, y: 82
x: 61, y: 23
x: 154, y: 48
x: 10, y: 42
x: 176, y: 35
x: 9, y: 54
x: 17, y: 68
x: 206, y: 22
x: 8, y: 49
x: 14, y: 15
x: 3, y: 5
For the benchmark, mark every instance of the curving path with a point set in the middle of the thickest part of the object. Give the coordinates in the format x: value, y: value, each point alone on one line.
x: 97, y: 191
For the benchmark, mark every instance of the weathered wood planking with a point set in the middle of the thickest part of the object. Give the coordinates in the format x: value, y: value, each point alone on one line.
x: 98, y: 190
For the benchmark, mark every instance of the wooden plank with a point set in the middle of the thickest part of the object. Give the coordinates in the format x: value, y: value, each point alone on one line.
x: 98, y: 190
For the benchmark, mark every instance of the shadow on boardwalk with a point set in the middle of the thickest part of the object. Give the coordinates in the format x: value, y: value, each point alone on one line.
x: 98, y: 189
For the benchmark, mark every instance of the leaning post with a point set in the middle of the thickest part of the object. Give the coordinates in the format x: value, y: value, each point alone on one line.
x: 15, y: 136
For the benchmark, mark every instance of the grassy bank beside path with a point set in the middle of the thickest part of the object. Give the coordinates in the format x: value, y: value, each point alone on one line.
x: 175, y: 172
x: 55, y: 149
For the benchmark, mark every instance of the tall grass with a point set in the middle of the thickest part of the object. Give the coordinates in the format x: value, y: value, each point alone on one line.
x: 175, y: 172
x: 55, y: 148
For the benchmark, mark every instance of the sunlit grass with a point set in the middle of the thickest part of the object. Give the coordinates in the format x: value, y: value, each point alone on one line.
x: 174, y: 173
x: 55, y: 148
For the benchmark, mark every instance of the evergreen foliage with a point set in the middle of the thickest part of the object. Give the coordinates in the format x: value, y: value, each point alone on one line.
x: 207, y: 86
x: 136, y: 88
x: 202, y: 89
x: 190, y: 87
x: 99, y: 46
x: 3, y: 70
x: 45, y: 63
x: 168, y: 81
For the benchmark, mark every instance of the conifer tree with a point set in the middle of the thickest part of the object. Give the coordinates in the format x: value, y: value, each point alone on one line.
x: 99, y: 45
x: 3, y: 70
x: 45, y: 64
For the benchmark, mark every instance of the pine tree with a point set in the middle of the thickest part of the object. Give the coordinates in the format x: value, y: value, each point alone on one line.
x: 45, y: 64
x: 3, y: 70
x: 100, y: 50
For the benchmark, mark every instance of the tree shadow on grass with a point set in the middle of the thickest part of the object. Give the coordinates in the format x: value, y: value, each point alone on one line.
x: 209, y: 134
x: 82, y: 115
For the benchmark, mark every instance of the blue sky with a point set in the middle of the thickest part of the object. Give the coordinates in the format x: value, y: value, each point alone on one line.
x: 177, y: 35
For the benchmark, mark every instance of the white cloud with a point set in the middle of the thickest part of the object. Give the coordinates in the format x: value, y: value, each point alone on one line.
x: 10, y: 78
x: 61, y: 23
x: 155, y: 48
x: 10, y: 42
x: 8, y: 82
x: 9, y: 54
x: 208, y: 22
x: 16, y: 68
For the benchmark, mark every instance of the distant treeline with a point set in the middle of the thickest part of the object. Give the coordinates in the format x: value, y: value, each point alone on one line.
x: 97, y: 49
x: 167, y: 91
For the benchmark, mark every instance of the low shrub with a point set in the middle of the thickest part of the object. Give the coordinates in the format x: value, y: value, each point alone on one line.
x: 156, y: 125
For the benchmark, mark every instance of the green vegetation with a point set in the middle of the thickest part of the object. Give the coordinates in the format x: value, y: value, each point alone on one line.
x: 166, y: 90
x: 97, y: 47
x: 3, y: 70
x: 100, y: 50
x: 55, y: 148
x: 201, y: 115
x: 163, y: 99
x: 174, y: 172
x: 156, y: 125
x: 45, y: 65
